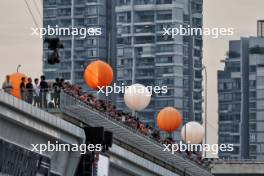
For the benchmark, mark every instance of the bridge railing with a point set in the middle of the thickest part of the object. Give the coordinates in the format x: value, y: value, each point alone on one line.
x: 37, y: 112
x: 68, y: 101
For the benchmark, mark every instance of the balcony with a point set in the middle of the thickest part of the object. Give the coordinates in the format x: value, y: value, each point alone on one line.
x: 144, y: 2
x: 257, y: 50
x: 144, y: 17
x: 145, y: 40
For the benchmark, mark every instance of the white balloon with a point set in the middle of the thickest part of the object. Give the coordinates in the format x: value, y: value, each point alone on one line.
x: 137, y: 97
x: 192, y: 132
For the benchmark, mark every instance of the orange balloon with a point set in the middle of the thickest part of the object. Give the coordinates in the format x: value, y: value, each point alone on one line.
x: 169, y: 119
x: 98, y: 74
x: 15, y: 80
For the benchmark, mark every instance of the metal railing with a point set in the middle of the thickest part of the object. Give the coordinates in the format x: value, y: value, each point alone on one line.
x: 68, y: 102
x: 37, y: 112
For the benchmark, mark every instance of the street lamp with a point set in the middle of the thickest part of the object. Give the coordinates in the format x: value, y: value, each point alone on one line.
x: 18, y: 67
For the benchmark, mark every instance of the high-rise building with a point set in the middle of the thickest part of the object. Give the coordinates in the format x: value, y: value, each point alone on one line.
x: 241, y: 99
x: 78, y: 50
x: 146, y: 56
x: 132, y: 36
x: 260, y: 28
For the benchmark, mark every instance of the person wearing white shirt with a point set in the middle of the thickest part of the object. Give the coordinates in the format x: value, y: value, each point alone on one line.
x: 7, y: 86
x: 36, y: 91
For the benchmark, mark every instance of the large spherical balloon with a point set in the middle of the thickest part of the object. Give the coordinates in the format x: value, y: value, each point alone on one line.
x: 192, y: 132
x: 169, y: 119
x: 15, y: 80
x: 98, y: 74
x: 137, y: 97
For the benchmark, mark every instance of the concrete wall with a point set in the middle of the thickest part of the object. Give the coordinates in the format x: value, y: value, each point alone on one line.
x: 23, y: 125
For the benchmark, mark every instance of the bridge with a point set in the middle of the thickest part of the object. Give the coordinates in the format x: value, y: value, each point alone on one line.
x: 21, y: 125
x: 132, y: 153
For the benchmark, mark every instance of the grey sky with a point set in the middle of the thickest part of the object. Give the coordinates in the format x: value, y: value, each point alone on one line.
x: 17, y: 46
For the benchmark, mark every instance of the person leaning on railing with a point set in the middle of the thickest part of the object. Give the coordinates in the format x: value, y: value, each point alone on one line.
x: 29, y: 88
x: 7, y: 86
x: 43, y: 92
x: 56, y: 87
x: 36, y: 93
x: 23, y: 90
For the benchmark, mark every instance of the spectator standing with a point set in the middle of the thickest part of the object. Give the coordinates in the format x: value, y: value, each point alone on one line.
x: 29, y: 87
x: 43, y: 92
x: 36, y: 92
x: 23, y: 90
x: 61, y: 83
x: 57, y: 90
x: 7, y: 86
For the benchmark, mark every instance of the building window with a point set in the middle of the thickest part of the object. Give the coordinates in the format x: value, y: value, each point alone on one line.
x: 260, y: 93
x: 260, y: 81
x: 164, y: 2
x: 142, y: 2
x: 160, y: 27
x: 164, y: 103
x: 253, y: 116
x: 91, y: 41
x: 120, y: 52
x: 252, y: 126
x: 165, y: 48
x: 50, y: 12
x: 124, y: 40
x: 167, y: 59
x: 144, y: 29
x: 123, y: 2
x: 91, y: 21
x: 124, y: 17
x: 92, y: 52
x: 164, y: 15
x: 91, y: 10
x: 237, y: 96
x: 252, y: 105
x: 79, y: 11
x: 252, y: 68
x: 236, y: 150
x: 252, y: 83
x: 50, y: 2
x: 252, y: 137
x: 144, y: 16
x: 253, y: 149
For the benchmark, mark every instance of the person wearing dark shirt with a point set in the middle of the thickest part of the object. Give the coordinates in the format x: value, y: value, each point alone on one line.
x: 23, y: 88
x: 61, y: 83
x: 29, y: 87
x: 57, y: 90
x: 43, y: 91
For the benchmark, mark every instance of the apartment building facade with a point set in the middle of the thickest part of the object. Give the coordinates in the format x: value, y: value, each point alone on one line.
x: 241, y: 99
x: 146, y: 56
x: 79, y: 51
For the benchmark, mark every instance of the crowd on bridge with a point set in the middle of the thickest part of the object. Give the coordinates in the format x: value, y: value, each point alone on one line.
x: 45, y: 94
x: 38, y: 91
x: 125, y: 118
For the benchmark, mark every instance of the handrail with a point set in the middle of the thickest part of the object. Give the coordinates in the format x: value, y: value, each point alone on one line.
x: 40, y: 114
x: 75, y: 101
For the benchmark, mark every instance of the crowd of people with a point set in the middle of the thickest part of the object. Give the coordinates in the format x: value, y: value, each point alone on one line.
x: 125, y: 118
x: 38, y: 91
x: 45, y: 94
